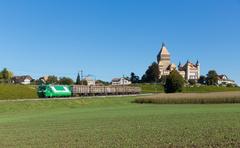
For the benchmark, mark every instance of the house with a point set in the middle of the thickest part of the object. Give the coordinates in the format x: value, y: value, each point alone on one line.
x: 121, y: 81
x: 224, y: 80
x: 25, y: 80
x: 90, y: 81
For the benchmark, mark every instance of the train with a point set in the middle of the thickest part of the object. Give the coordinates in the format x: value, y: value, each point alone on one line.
x: 52, y: 91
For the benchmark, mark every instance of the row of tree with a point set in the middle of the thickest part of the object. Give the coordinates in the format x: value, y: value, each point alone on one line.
x: 61, y: 80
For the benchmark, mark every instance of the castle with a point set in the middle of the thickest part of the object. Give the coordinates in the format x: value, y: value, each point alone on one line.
x: 188, y: 71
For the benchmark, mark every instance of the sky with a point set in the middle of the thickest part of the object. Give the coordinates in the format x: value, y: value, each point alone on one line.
x: 112, y: 38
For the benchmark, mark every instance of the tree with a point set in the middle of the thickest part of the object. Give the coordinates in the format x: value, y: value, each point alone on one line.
x: 212, y: 78
x: 163, y: 79
x: 78, y: 81
x: 83, y: 82
x: 174, y: 82
x: 52, y: 80
x: 202, y: 80
x: 6, y: 75
x: 134, y: 78
x: 101, y: 82
x: 152, y: 73
x: 65, y: 81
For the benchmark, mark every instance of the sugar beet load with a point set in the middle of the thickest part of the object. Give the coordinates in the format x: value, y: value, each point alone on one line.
x: 48, y: 91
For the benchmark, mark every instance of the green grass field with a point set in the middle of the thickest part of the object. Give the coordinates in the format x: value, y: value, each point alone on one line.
x: 116, y: 122
x: 10, y: 92
x: 157, y: 88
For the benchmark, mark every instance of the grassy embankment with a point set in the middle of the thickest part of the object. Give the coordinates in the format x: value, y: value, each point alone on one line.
x: 8, y: 92
x: 157, y: 88
x: 116, y: 122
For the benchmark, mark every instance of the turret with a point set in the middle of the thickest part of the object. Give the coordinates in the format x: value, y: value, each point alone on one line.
x: 197, y: 63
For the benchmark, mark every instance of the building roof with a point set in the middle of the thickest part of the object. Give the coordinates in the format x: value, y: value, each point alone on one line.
x: 118, y: 79
x: 22, y: 78
x: 188, y: 63
x: 164, y: 50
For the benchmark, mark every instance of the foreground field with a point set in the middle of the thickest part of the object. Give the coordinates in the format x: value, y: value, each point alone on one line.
x: 116, y: 122
x: 191, y: 98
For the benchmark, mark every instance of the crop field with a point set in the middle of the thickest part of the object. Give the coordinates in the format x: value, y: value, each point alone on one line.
x: 191, y: 98
x: 117, y: 122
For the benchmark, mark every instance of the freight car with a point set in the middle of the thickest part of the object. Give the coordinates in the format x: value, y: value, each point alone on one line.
x: 48, y: 91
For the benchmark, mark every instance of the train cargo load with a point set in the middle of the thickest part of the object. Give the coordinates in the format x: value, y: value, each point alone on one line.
x: 49, y: 91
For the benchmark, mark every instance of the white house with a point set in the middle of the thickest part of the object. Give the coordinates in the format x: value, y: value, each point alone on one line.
x: 25, y: 80
x: 90, y: 81
x: 224, y: 80
x: 121, y: 81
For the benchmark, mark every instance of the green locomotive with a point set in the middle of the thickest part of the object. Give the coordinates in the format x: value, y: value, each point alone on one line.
x: 49, y: 91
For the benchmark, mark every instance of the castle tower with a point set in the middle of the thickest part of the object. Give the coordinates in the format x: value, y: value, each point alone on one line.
x: 164, y: 61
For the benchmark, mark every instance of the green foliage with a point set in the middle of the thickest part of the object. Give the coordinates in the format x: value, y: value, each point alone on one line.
x: 65, y: 81
x: 83, y: 82
x: 202, y: 80
x: 101, y: 82
x: 212, y: 78
x: 116, y: 122
x: 52, y: 80
x: 5, y: 76
x: 78, y: 81
x: 174, y: 82
x: 152, y: 74
x: 163, y: 80
x: 192, y: 82
x: 134, y: 78
x: 8, y: 92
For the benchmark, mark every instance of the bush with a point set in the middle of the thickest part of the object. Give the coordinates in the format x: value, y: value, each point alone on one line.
x: 174, y: 82
x: 192, y: 82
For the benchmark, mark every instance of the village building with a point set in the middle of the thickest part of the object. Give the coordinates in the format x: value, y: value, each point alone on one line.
x: 90, y: 81
x: 224, y: 80
x: 121, y: 81
x: 188, y: 71
x: 25, y: 80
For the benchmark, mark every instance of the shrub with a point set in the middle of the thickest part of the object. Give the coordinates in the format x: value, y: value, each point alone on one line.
x: 192, y: 82
x: 174, y: 82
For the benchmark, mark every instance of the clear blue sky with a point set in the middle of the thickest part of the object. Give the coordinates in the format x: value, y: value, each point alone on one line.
x: 111, y: 38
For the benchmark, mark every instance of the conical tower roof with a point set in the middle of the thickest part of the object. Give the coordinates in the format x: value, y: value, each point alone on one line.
x: 163, y: 53
x: 164, y: 50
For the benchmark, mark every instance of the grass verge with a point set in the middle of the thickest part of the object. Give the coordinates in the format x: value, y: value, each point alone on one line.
x: 157, y: 88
